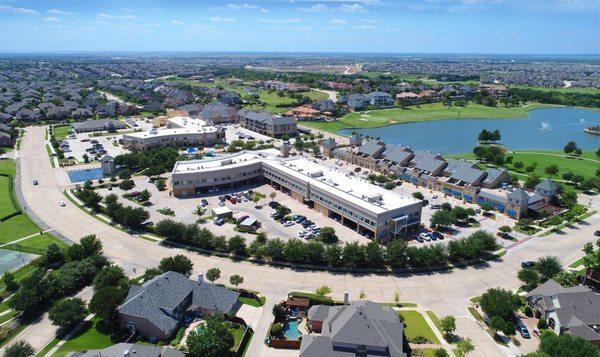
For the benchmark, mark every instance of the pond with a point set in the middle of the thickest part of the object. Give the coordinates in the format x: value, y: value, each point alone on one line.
x: 543, y: 129
x: 85, y: 175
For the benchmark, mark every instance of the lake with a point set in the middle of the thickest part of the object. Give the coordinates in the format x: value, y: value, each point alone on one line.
x: 543, y: 129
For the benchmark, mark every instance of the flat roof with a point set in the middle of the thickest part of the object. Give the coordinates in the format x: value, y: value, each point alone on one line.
x: 177, y: 125
x: 335, y: 181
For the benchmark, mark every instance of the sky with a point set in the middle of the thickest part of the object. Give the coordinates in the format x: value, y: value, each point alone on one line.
x: 388, y: 26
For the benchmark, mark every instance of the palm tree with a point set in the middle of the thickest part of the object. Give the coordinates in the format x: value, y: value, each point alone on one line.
x: 552, y: 170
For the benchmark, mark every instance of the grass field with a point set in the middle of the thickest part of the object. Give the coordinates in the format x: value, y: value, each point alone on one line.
x: 586, y: 166
x: 415, y: 325
x: 6, y: 204
x: 87, y: 338
x: 42, y: 241
x: 17, y: 227
x: 426, y: 112
x: 249, y: 301
x: 589, y: 90
x: 61, y: 132
x: 7, y: 167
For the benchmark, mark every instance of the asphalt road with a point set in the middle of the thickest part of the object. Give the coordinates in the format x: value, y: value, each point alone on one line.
x: 445, y: 292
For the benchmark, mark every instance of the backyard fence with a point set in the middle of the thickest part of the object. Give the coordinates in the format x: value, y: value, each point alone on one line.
x: 24, y: 249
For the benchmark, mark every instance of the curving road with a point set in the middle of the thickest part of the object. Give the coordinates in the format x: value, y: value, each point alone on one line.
x: 445, y: 292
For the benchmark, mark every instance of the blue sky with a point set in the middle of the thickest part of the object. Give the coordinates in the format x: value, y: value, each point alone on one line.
x: 436, y: 26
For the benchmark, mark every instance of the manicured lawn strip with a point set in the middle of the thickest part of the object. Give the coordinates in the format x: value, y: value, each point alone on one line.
x: 577, y: 263
x: 7, y: 167
x: 6, y: 204
x: 42, y: 241
x: 8, y: 316
x: 475, y: 313
x: 17, y: 227
x: 47, y: 348
x: 249, y: 301
x: 415, y: 325
x: 50, y: 155
x: 428, y: 352
x: 4, y: 305
x: 88, y: 338
x: 435, y: 320
x: 61, y: 132
x: 545, y: 158
x: 426, y: 112
x: 238, y: 333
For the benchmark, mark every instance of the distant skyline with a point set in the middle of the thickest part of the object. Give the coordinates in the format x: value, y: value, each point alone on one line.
x: 370, y: 26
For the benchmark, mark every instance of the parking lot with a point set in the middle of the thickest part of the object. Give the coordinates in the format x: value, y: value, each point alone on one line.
x: 236, y: 132
x: 184, y: 209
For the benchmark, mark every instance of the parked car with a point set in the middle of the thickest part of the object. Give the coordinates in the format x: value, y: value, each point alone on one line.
x: 204, y: 202
x: 424, y: 236
x: 434, y: 197
x: 219, y: 221
x: 288, y: 223
x: 357, y: 169
x: 35, y: 182
x: 299, y: 219
x: 597, y: 233
x: 523, y: 330
x: 221, y: 203
x: 436, y: 206
x: 62, y: 203
x: 527, y: 264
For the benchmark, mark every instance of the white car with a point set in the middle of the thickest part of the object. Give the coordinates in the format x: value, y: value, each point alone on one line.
x: 288, y: 223
x: 62, y: 203
x: 425, y: 237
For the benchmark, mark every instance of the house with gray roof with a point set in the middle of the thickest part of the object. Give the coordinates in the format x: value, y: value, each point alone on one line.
x: 268, y: 124
x: 218, y: 113
x: 380, y: 99
x: 546, y: 188
x: 130, y: 350
x: 357, y: 101
x: 495, y: 177
x: 574, y: 310
x: 155, y: 309
x: 90, y: 125
x: 363, y: 328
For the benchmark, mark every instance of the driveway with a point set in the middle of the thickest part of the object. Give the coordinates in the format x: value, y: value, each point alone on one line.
x: 445, y: 292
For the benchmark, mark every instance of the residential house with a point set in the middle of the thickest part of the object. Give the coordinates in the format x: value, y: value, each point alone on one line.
x: 357, y: 101
x: 326, y: 105
x: 303, y: 112
x: 190, y: 110
x: 130, y: 350
x: 230, y: 98
x: 380, y: 99
x: 156, y: 309
x: 5, y: 139
x: 408, y: 97
x: 574, y: 310
x: 363, y: 329
x: 218, y: 113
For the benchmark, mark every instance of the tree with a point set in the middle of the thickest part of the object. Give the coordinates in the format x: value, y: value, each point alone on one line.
x: 442, y: 219
x: 418, y: 195
x: 529, y: 277
x: 272, y: 195
x: 66, y: 313
x: 54, y: 255
x: 396, y: 255
x: 518, y: 165
x: 566, y: 345
x: 448, y: 325
x: 327, y: 235
x: 465, y: 346
x: 374, y: 255
x: 9, y: 281
x: 548, y: 267
x: 499, y: 302
x: 179, y: 263
x: 323, y: 290
x: 111, y: 276
x: 552, y: 170
x: 567, y: 278
x: 213, y: 274
x: 213, y: 341
x: 440, y: 352
x: 19, y: 349
x: 105, y: 302
x: 126, y: 185
x: 532, y: 181
x: 279, y: 312
x: 236, y: 280
x: 144, y: 196
x: 487, y: 207
x: 237, y: 245
x: 570, y: 147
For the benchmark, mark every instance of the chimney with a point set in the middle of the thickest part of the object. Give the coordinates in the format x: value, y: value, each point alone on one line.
x: 346, y: 297
x: 200, y: 278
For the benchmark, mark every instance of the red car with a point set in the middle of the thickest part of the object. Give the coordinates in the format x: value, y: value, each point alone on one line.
x: 233, y: 200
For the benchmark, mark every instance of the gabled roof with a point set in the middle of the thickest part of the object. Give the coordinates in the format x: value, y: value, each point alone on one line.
x: 371, y: 148
x: 427, y: 161
x: 518, y: 194
x: 397, y: 153
x: 492, y: 174
x: 134, y: 349
x: 547, y: 185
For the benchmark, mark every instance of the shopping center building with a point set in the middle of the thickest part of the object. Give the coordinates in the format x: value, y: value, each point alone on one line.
x: 369, y: 209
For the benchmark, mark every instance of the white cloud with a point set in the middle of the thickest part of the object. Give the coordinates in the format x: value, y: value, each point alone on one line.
x: 315, y: 8
x: 222, y: 19
x: 280, y: 21
x: 177, y: 22
x: 241, y: 6
x: 104, y: 16
x: 352, y: 8
x: 338, y: 22
x: 235, y: 7
x: 264, y: 11
x: 18, y: 10
x: 52, y: 19
x: 58, y: 12
x: 364, y: 27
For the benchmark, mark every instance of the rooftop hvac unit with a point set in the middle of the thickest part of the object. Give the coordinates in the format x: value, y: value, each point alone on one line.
x: 226, y: 162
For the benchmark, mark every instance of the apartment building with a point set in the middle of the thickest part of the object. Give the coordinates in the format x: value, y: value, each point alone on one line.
x: 179, y: 131
x: 268, y: 124
x: 369, y: 209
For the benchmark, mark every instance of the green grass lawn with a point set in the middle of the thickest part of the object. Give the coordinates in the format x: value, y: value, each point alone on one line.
x: 238, y: 333
x: 47, y: 348
x: 8, y: 316
x: 249, y: 301
x: 17, y: 227
x: 586, y: 166
x: 42, y: 241
x: 88, y: 338
x: 589, y: 90
x: 426, y: 112
x: 415, y: 325
x: 7, y: 167
x: 61, y: 132
x: 6, y: 204
x: 577, y: 263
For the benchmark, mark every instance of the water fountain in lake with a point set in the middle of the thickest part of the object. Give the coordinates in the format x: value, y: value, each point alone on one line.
x: 546, y: 126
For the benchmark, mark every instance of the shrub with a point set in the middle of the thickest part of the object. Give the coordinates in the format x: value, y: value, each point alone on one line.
x: 276, y: 330
x: 542, y: 324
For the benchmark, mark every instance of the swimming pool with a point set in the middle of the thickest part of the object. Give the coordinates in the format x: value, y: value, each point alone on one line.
x: 85, y: 175
x: 291, y: 331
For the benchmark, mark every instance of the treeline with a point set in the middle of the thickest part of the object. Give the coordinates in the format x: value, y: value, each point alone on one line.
x: 156, y: 161
x: 556, y: 97
x: 396, y: 254
x: 450, y: 77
